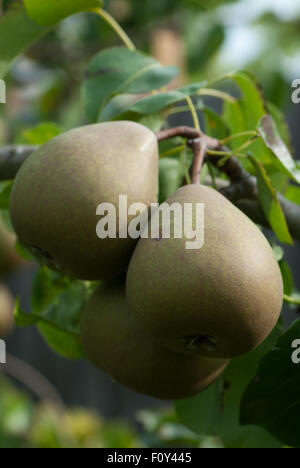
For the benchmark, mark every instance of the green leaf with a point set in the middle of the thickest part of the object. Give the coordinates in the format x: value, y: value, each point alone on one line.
x: 63, y: 343
x: 279, y: 180
x: 40, y: 134
x: 234, y: 118
x: 17, y: 32
x: 23, y: 319
x: 117, y: 108
x: 20, y: 27
x: 160, y: 101
x: 281, y: 124
x: 154, y: 122
x: 60, y: 309
x: 171, y: 174
x: 293, y: 194
x: 252, y: 102
x: 157, y: 102
x: 215, y: 125
x: 237, y: 376
x: 5, y: 217
x: 192, y: 89
x: 47, y: 285
x: 5, y: 190
x: 216, y: 410
x: 270, y: 204
x: 50, y: 12
x: 23, y: 252
x: 272, y: 398
x: 277, y: 147
x: 57, y: 305
x: 202, y: 412
x: 121, y: 71
x: 253, y: 108
x: 287, y: 277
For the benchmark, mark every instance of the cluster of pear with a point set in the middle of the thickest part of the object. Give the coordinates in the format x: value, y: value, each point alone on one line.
x: 169, y: 328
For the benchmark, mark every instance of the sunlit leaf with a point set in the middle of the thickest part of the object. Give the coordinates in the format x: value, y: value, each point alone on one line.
x: 17, y: 32
x: 278, y: 148
x: 50, y: 12
x: 270, y: 204
x: 121, y: 71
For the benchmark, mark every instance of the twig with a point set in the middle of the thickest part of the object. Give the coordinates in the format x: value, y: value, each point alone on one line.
x: 242, y: 190
x: 182, y: 131
x: 33, y: 380
x: 238, y: 135
x: 199, y: 148
x: 254, y: 211
x: 232, y: 168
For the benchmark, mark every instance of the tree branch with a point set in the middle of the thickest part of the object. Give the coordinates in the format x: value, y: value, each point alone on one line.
x: 182, y: 131
x: 243, y: 194
x: 12, y: 158
x: 33, y: 380
x: 242, y: 190
x: 254, y: 211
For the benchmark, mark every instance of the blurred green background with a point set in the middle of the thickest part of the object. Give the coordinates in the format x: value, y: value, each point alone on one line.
x: 44, y: 87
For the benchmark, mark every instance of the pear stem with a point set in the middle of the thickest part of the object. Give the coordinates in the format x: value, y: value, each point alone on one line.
x: 199, y: 148
x: 242, y: 190
x: 197, y: 141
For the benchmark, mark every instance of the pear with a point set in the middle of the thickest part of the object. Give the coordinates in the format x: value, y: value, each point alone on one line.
x: 6, y: 312
x: 116, y: 343
x: 9, y: 259
x: 58, y: 189
x: 221, y: 300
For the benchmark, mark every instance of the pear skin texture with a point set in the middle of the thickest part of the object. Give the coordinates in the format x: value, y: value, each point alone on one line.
x: 58, y: 189
x: 115, y: 343
x: 221, y: 300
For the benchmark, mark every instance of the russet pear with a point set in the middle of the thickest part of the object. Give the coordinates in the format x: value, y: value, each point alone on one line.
x: 221, y: 300
x: 6, y: 312
x: 58, y: 189
x: 117, y: 344
x: 9, y: 259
